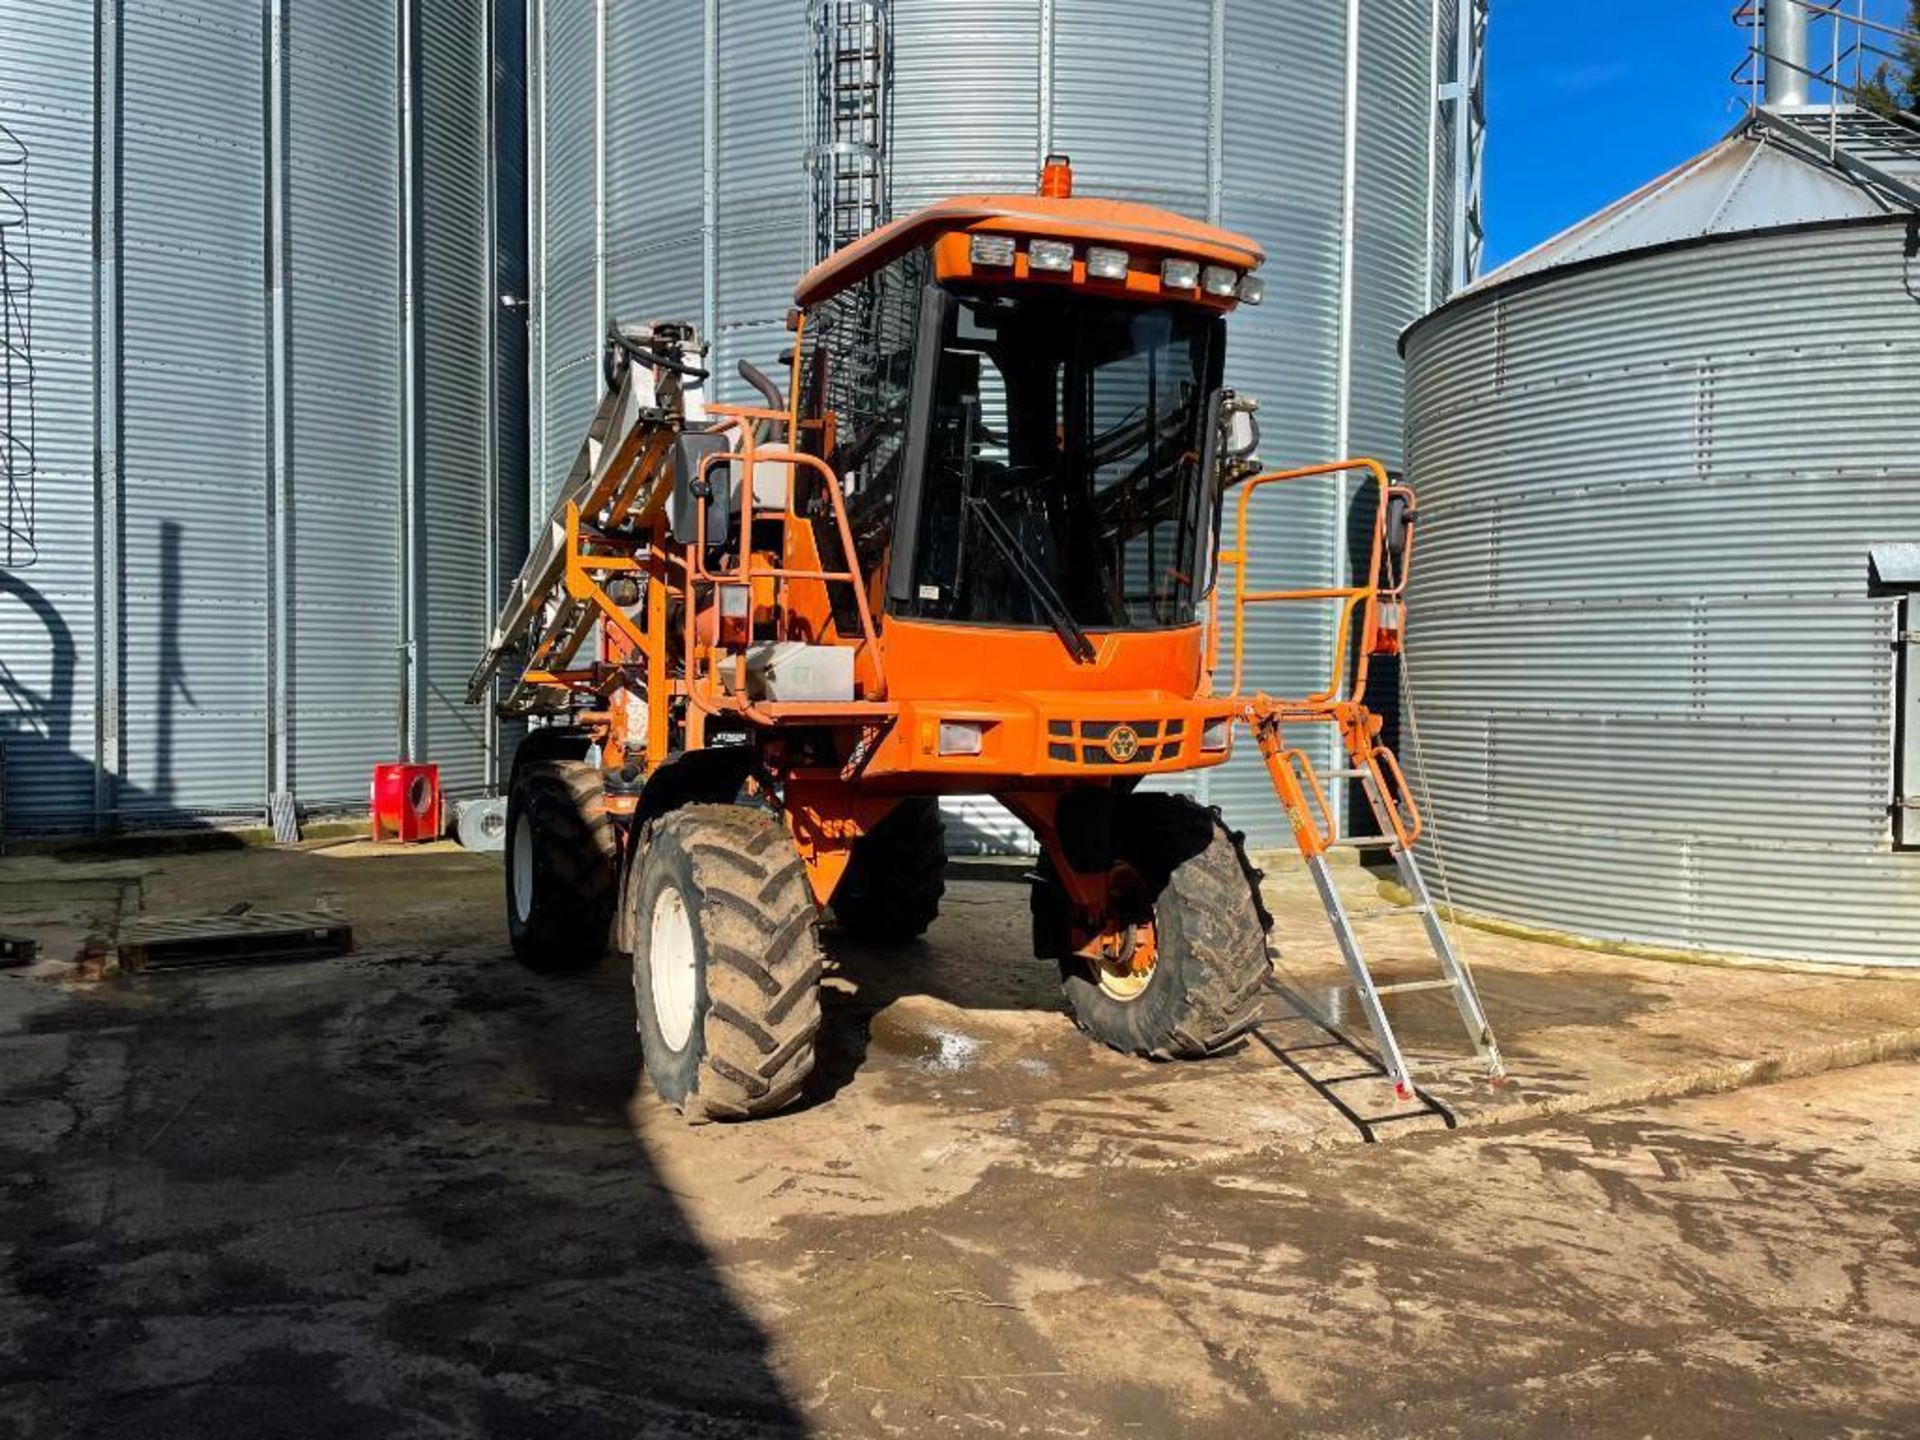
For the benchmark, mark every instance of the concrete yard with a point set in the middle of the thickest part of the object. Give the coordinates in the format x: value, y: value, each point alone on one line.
x: 411, y: 1192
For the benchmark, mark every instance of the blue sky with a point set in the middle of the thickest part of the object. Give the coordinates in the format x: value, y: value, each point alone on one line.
x: 1578, y: 117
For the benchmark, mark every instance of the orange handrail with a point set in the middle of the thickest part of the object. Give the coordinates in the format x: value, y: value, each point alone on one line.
x: 1361, y: 598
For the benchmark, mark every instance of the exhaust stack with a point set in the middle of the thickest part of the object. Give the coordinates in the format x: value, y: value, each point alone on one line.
x: 1786, y: 42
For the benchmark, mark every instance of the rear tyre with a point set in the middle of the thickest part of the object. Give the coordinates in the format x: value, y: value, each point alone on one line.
x: 1208, y: 931
x: 562, y: 864
x: 896, y: 876
x: 726, y: 962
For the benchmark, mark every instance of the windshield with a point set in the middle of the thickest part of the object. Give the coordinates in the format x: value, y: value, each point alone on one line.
x: 1062, y: 482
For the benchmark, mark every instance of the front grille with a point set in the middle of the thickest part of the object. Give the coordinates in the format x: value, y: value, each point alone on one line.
x: 1092, y: 742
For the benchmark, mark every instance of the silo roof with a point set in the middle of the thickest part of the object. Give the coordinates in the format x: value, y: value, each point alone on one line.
x: 1776, y: 170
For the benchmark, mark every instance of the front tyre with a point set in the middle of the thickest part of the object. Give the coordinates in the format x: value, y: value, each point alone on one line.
x: 726, y: 962
x: 1197, y: 905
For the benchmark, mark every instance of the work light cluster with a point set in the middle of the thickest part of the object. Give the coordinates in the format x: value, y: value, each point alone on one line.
x: 1105, y: 263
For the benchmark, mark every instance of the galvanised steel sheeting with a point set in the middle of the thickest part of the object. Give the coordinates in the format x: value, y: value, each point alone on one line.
x: 764, y: 223
x: 1654, y: 691
x: 1234, y: 110
x: 47, y: 639
x: 1283, y: 180
x: 456, y: 298
x: 193, y: 660
x: 344, y: 394
x: 566, y: 146
x: 241, y: 344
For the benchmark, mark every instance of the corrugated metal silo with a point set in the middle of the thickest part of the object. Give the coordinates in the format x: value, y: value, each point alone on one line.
x: 264, y: 404
x: 671, y: 164
x: 1656, y: 677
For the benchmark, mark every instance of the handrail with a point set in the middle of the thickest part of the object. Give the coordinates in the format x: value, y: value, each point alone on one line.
x: 751, y: 567
x: 1363, y: 599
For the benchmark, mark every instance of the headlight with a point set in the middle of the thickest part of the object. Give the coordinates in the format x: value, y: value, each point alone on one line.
x: 1180, y: 274
x: 1217, y: 736
x: 1054, y: 255
x: 1105, y: 264
x: 961, y: 737
x: 1219, y: 280
x: 991, y: 250
x: 1252, y: 289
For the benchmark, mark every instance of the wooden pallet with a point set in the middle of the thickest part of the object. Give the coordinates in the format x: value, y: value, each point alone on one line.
x: 179, y: 941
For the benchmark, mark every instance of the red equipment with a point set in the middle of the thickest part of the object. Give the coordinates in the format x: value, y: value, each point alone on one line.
x: 405, y: 803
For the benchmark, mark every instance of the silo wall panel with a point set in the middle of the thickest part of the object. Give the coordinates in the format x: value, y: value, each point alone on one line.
x: 456, y: 462
x: 655, y: 168
x: 765, y: 224
x: 966, y: 111
x: 47, y: 638
x: 567, y: 334
x: 1132, y: 96
x: 1287, y: 194
x: 1655, y: 693
x: 344, y: 399
x: 194, y: 388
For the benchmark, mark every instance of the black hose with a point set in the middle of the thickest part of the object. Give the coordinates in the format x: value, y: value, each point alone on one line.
x: 757, y: 378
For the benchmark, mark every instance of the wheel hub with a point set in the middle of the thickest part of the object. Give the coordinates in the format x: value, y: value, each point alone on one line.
x: 671, y: 967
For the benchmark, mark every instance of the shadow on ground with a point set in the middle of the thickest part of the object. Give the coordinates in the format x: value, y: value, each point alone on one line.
x: 355, y: 1198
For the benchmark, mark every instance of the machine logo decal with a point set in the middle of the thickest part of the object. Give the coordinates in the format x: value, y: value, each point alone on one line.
x: 1122, y: 743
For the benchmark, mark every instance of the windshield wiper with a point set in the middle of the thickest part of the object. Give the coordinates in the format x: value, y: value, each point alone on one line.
x: 1038, y: 586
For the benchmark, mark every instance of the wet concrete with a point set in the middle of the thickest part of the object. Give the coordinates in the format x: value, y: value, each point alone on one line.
x: 412, y: 1193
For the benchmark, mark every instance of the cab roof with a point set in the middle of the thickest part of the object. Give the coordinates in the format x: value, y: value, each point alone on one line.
x: 1121, y: 223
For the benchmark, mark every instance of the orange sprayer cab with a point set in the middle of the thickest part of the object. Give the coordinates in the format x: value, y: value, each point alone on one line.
x: 969, y: 543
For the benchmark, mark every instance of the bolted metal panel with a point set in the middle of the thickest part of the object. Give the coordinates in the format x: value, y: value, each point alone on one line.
x: 47, y: 639
x: 567, y: 327
x: 654, y: 157
x: 1654, y: 687
x: 1131, y: 98
x: 1282, y: 169
x: 194, y: 395
x: 343, y: 394
x: 966, y: 115
x: 455, y: 300
x: 764, y: 227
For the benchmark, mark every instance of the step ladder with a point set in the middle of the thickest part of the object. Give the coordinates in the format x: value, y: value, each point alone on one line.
x: 1373, y: 765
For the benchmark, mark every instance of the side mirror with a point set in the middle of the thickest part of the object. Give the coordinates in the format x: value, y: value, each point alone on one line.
x: 1238, y: 435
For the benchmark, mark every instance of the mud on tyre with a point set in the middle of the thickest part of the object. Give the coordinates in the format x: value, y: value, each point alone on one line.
x: 726, y: 961
x: 1203, y: 991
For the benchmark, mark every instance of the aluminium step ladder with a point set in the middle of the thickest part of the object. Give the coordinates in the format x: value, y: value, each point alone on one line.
x: 1379, y: 774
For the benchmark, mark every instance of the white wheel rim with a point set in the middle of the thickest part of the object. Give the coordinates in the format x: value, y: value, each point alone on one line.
x: 520, y: 857
x: 670, y: 967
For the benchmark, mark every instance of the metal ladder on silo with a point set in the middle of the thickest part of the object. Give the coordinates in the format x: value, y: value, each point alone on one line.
x: 852, y: 106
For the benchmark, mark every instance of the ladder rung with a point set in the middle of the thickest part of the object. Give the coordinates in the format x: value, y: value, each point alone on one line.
x: 1365, y: 842
x: 1347, y: 774
x: 1385, y: 910
x: 1409, y: 987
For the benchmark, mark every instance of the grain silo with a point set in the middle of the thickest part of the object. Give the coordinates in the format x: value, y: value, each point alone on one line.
x: 1662, y: 653
x: 264, y: 480
x: 695, y: 167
